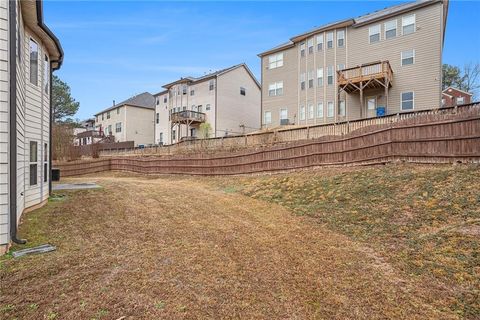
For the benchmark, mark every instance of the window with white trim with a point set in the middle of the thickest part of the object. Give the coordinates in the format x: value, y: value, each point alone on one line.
x: 374, y: 33
x: 310, y: 45
x: 340, y: 38
x: 341, y: 108
x: 157, y: 118
x: 243, y: 91
x: 302, y: 112
x: 283, y: 114
x: 407, y: 100
x: 33, y: 62
x: 330, y: 75
x: 118, y: 127
x: 320, y: 42
x: 45, y: 163
x: 275, y: 89
x: 330, y: 109
x: 275, y: 61
x: 267, y: 117
x: 46, y: 75
x: 310, y: 111
x: 302, y: 81
x: 391, y: 29
x: 320, y: 77
x: 311, y: 74
x: 460, y: 100
x: 161, y: 138
x: 33, y: 162
x: 207, y: 107
x: 330, y: 40
x: 211, y: 85
x: 408, y: 24
x: 371, y: 103
x: 340, y: 66
x: 320, y: 110
x: 302, y: 49
x: 408, y: 57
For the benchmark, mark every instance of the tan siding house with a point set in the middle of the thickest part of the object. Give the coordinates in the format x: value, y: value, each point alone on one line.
x: 28, y: 54
x: 227, y: 100
x: 129, y: 120
x: 385, y: 62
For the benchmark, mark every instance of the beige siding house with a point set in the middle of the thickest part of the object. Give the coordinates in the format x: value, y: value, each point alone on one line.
x: 28, y: 53
x: 227, y: 100
x: 129, y: 120
x: 385, y: 62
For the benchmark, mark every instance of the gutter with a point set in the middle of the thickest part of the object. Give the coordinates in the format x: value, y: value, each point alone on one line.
x: 50, y: 34
x: 13, y: 124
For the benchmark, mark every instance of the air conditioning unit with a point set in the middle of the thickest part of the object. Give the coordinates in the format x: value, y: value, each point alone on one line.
x: 284, y: 122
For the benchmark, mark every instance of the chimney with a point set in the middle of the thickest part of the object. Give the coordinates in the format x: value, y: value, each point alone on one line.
x: 113, y: 102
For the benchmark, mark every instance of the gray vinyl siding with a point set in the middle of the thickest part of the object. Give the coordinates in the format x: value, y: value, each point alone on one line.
x: 4, y: 123
x: 423, y: 77
x: 290, y: 75
x: 235, y: 109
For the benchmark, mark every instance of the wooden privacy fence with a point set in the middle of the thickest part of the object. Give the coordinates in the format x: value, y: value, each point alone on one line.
x: 278, y: 136
x: 430, y: 138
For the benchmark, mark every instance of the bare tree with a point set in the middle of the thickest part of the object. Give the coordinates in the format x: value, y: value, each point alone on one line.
x: 471, y: 78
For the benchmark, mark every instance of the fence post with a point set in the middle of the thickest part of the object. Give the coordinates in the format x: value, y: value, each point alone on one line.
x: 308, y: 132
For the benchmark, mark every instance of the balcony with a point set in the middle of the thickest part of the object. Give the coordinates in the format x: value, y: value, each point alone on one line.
x: 375, y: 75
x: 188, y: 117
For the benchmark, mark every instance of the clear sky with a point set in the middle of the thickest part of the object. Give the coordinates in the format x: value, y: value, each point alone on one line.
x: 115, y: 49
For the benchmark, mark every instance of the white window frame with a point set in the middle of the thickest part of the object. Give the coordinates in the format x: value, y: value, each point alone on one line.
x: 406, y: 25
x: 311, y: 112
x: 412, y: 51
x: 389, y: 28
x: 330, y: 109
x: 375, y: 104
x: 342, y: 37
x: 310, y: 46
x: 371, y: 33
x: 281, y: 115
x: 302, y: 49
x: 275, y: 61
x: 330, y: 69
x: 320, y: 41
x: 302, y: 81
x: 457, y: 100
x: 342, y: 108
x: 302, y: 115
x: 330, y: 35
x: 275, y: 89
x: 267, y: 120
x: 311, y: 76
x: 320, y: 75
x: 320, y: 111
x: 34, y: 64
x: 401, y: 100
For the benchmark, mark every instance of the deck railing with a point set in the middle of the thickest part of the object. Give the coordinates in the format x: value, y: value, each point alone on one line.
x: 188, y: 115
x: 365, y: 71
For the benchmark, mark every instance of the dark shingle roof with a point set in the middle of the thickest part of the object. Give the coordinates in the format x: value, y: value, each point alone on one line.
x: 142, y: 100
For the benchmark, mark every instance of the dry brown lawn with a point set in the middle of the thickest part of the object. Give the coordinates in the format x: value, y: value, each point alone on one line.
x: 195, y: 248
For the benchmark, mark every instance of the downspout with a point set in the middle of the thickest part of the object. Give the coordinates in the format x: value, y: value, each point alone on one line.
x: 50, y: 132
x: 13, y: 123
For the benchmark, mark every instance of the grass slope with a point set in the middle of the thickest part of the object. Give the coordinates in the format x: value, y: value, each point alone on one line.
x: 423, y: 220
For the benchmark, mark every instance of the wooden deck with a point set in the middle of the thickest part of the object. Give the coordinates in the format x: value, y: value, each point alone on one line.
x: 375, y: 75
x: 188, y: 117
